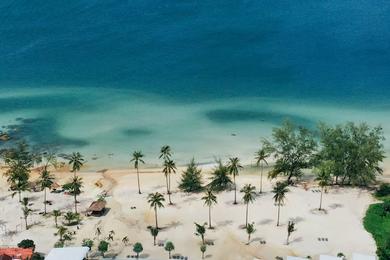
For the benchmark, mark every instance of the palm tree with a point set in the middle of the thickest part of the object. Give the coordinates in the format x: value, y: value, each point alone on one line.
x: 220, y: 179
x: 111, y: 235
x: 169, y: 246
x: 98, y: 232
x: 154, y: 233
x: 156, y: 201
x: 290, y: 230
x: 75, y: 188
x: 249, y: 197
x: 165, y: 152
x: 61, y: 231
x: 233, y: 167
x: 280, y: 191
x: 169, y: 167
x: 46, y: 180
x: 250, y: 229
x: 261, y: 156
x: 209, y: 199
x: 324, y: 177
x: 56, y: 214
x: 203, y: 250
x: 76, y: 161
x: 137, y: 158
x: 125, y: 240
x: 26, y: 210
x: 200, y: 231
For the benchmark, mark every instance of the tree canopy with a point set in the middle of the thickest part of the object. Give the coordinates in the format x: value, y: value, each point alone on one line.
x: 191, y: 179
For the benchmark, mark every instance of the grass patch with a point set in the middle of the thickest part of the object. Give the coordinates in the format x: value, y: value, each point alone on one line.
x: 378, y: 224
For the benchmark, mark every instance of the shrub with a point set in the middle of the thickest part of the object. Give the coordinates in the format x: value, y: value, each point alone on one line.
x: 383, y: 190
x: 26, y: 243
x: 37, y: 256
x: 191, y: 179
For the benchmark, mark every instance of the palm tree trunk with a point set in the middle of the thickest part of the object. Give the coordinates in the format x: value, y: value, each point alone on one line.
x: 154, y: 240
x: 169, y: 252
x: 235, y: 190
x: 25, y: 221
x: 75, y: 203
x: 203, y: 239
x: 322, y: 190
x: 202, y: 255
x: 278, y: 214
x: 169, y: 183
x: 44, y: 200
x: 55, y: 220
x: 139, y: 187
x: 261, y: 179
x: 210, y: 217
x: 155, y: 215
x: 288, y: 236
x: 20, y: 195
x: 246, y: 217
x: 166, y: 180
x: 169, y: 197
x: 249, y: 238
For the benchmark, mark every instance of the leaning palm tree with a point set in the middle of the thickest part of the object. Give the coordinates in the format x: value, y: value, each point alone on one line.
x: 233, y: 167
x: 290, y: 230
x: 125, y: 240
x: 26, y: 210
x: 156, y: 201
x: 280, y: 190
x: 74, y: 187
x: 46, y: 180
x: 324, y: 177
x: 137, y: 158
x: 261, y: 159
x: 250, y: 229
x: 165, y: 152
x: 56, y: 214
x: 249, y: 197
x: 169, y: 167
x: 200, y: 231
x: 76, y: 161
x: 209, y: 199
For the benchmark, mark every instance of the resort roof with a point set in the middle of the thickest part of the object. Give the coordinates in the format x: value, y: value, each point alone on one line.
x: 295, y: 258
x: 362, y: 257
x: 98, y: 205
x: 66, y: 253
x: 18, y: 253
x: 5, y: 257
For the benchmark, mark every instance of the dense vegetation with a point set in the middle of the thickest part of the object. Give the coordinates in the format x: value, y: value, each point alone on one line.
x: 191, y: 179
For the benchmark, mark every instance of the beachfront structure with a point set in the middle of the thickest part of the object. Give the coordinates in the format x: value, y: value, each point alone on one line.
x: 16, y: 253
x: 356, y: 256
x: 295, y: 258
x: 97, y: 208
x: 328, y: 257
x: 67, y: 253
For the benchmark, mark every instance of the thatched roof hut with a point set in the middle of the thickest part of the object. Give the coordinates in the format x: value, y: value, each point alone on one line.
x: 97, y: 207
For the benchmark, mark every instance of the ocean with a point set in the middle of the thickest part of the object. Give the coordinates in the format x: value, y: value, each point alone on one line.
x: 209, y: 78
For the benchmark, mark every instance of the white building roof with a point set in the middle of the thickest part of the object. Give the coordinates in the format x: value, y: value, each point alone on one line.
x: 67, y: 253
x: 295, y: 258
x: 328, y: 257
x: 363, y: 257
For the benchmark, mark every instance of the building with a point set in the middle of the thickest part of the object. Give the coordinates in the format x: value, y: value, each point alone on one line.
x: 67, y: 253
x: 97, y: 208
x: 295, y: 258
x: 16, y: 253
x: 356, y: 256
x: 328, y: 257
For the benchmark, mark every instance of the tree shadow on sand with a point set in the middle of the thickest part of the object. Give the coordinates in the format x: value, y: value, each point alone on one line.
x: 265, y: 221
x: 173, y: 224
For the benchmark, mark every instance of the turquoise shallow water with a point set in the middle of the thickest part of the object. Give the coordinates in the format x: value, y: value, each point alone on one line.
x: 110, y: 77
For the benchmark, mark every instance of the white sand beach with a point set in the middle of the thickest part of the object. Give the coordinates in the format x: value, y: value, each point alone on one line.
x: 340, y: 223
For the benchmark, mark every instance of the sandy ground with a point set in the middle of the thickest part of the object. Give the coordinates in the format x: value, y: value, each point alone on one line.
x: 341, y: 223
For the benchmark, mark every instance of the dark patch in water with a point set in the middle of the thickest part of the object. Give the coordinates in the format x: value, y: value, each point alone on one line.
x: 224, y: 116
x: 40, y: 132
x: 137, y: 132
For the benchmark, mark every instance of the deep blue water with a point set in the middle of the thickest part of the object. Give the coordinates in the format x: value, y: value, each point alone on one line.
x: 200, y: 49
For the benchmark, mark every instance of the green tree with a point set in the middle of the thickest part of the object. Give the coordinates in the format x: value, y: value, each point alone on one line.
x: 75, y: 161
x: 56, y: 214
x: 220, y: 179
x: 137, y: 159
x: 356, y: 150
x: 46, y: 180
x: 250, y: 229
x: 324, y: 178
x: 203, y: 249
x: 137, y: 248
x: 209, y: 199
x: 293, y: 149
x: 200, y: 231
x: 87, y: 243
x: 26, y: 210
x: 169, y: 167
x: 290, y: 230
x: 261, y: 159
x: 280, y: 190
x: 156, y: 201
x: 26, y: 243
x: 233, y: 168
x: 249, y: 197
x: 191, y: 179
x: 74, y: 187
x: 169, y: 246
x: 103, y: 247
x: 154, y: 233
